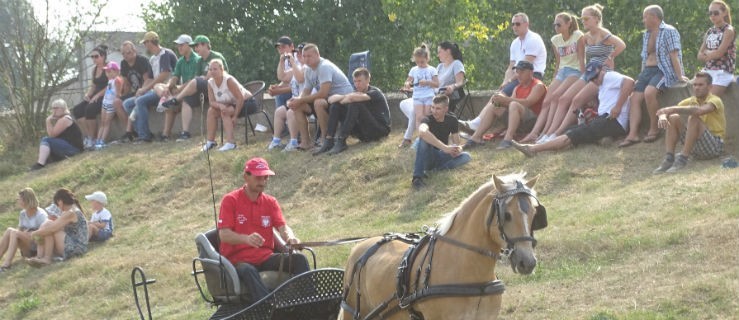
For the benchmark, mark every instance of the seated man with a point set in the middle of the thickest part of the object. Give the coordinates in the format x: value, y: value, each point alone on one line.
x: 614, y: 90
x: 245, y: 224
x: 434, y: 151
x: 363, y: 113
x: 189, y: 66
x: 703, y: 134
x: 522, y: 108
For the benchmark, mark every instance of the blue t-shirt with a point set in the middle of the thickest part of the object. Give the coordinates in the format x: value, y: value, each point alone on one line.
x: 417, y: 73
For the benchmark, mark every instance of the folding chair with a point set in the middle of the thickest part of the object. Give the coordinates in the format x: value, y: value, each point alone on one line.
x: 257, y: 100
x: 464, y: 103
x: 358, y: 60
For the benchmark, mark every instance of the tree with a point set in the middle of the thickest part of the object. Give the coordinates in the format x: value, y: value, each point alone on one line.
x: 38, y: 57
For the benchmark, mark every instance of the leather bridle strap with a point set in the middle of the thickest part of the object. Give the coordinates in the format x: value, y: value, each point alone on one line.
x: 478, y: 250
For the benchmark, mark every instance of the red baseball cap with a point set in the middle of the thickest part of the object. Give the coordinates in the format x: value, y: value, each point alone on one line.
x: 258, y: 167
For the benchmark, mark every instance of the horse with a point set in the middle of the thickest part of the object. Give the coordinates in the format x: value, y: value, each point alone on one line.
x: 452, y: 268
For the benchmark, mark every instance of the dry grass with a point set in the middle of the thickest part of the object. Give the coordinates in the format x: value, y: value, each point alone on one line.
x: 622, y: 243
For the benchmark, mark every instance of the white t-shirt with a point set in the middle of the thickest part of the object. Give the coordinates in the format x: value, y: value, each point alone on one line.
x: 608, y: 96
x: 31, y: 223
x: 103, y: 216
x: 417, y: 73
x: 221, y: 93
x: 531, y: 45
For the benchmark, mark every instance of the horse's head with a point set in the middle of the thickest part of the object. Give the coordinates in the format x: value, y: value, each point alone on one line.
x: 516, y: 212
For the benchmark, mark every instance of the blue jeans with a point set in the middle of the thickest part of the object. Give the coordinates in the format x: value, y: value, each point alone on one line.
x: 429, y: 158
x: 143, y: 103
x: 59, y: 148
x: 281, y: 99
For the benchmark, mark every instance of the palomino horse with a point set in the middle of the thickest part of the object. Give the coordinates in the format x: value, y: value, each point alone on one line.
x: 450, y: 274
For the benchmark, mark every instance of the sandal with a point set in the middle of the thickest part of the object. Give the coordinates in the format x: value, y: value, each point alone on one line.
x: 627, y: 143
x: 652, y: 137
x: 36, y: 262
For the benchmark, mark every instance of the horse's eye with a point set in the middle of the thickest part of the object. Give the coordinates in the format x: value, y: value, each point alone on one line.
x: 507, y: 216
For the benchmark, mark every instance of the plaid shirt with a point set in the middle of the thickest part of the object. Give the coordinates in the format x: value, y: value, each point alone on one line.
x: 668, y: 40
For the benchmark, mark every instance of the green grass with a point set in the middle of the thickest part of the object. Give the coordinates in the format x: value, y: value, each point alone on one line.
x: 621, y: 243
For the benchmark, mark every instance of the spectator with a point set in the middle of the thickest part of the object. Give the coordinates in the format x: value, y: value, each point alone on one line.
x: 137, y: 76
x: 245, y: 225
x: 422, y: 79
x: 451, y: 80
x: 600, y: 46
x: 290, y: 69
x: 162, y: 62
x: 702, y: 135
x: 363, y: 113
x: 100, y: 227
x: 86, y: 112
x: 613, y: 112
x: 719, y: 55
x: 662, y: 67
x: 528, y: 45
x: 30, y: 219
x: 112, y: 93
x: 228, y: 99
x: 329, y: 79
x: 569, y: 52
x: 188, y: 67
x: 64, y: 237
x: 434, y: 151
x: 64, y: 137
x: 519, y: 111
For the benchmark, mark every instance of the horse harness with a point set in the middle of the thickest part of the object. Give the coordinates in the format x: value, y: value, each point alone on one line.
x: 417, y: 241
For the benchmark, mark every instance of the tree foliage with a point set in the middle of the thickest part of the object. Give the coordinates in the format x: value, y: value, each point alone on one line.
x: 37, y: 59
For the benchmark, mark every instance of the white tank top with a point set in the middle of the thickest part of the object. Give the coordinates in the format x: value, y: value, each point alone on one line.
x: 222, y: 93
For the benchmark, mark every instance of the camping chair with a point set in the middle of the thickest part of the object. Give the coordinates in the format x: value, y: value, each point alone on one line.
x: 221, y: 278
x: 358, y: 60
x: 257, y: 90
x: 464, y: 103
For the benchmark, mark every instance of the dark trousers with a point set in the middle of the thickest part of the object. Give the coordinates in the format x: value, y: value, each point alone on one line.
x: 357, y: 120
x: 249, y: 273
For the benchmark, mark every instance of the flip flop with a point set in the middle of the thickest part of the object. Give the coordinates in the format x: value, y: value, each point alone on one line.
x: 652, y: 137
x: 36, y: 263
x: 627, y: 143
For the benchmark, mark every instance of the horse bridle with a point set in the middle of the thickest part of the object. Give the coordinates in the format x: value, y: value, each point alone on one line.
x: 498, y: 208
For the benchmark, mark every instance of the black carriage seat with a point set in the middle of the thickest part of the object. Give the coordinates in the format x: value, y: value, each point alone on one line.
x: 226, y: 287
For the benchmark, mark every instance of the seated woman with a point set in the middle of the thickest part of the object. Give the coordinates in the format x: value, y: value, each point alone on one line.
x: 451, y: 79
x: 30, y: 219
x: 64, y: 136
x: 64, y: 237
x: 228, y: 100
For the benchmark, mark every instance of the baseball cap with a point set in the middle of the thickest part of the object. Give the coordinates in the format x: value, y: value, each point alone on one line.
x: 98, y: 196
x: 151, y: 35
x: 592, y: 70
x: 184, y: 39
x: 523, y: 64
x: 201, y: 39
x: 283, y: 40
x: 112, y: 65
x: 258, y: 167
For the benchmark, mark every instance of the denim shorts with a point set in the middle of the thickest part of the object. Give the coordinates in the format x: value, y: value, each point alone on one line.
x: 650, y: 76
x: 427, y: 101
x: 102, y: 235
x: 567, y: 72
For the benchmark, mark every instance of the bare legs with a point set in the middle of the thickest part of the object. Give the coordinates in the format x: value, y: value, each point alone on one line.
x: 635, y: 115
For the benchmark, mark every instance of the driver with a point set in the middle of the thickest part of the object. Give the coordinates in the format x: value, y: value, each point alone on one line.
x: 245, y: 225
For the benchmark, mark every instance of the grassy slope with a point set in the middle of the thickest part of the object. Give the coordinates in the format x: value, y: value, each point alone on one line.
x: 622, y: 244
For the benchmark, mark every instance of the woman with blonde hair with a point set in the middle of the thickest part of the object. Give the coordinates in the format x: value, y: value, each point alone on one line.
x: 30, y: 219
x: 228, y: 100
x: 64, y: 137
x: 718, y: 50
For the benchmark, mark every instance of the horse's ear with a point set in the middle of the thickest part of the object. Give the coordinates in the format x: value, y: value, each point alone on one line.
x: 532, y: 182
x: 498, y: 183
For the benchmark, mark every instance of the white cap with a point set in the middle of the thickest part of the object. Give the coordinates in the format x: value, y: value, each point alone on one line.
x: 184, y: 39
x: 98, y: 196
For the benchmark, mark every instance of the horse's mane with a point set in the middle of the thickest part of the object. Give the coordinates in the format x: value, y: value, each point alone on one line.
x: 509, y: 182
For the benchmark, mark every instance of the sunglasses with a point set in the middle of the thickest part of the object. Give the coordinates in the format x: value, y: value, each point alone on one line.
x: 94, y: 56
x: 517, y: 24
x: 556, y: 25
x: 714, y: 12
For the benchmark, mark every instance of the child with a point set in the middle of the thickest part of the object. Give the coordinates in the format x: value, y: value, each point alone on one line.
x: 100, y: 227
x: 112, y: 92
x: 424, y: 79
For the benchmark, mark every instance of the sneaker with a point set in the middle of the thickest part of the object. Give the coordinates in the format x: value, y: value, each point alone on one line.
x: 227, y: 146
x: 523, y: 148
x: 339, y: 147
x: 471, y: 144
x: 169, y: 103
x: 505, y: 144
x: 543, y: 139
x: 209, y: 145
x: 88, y: 144
x: 132, y: 117
x: 664, y: 166
x: 275, y: 145
x: 680, y: 162
x: 184, y: 136
x: 418, y: 183
x: 328, y: 144
x: 163, y: 138
x: 36, y: 166
x: 142, y: 141
x: 126, y: 137
x: 467, y: 126
x: 291, y: 148
x: 100, y: 146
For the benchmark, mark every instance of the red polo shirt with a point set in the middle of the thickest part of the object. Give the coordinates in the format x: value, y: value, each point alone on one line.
x: 244, y: 216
